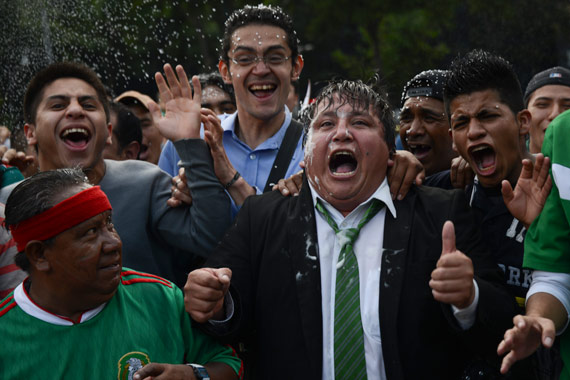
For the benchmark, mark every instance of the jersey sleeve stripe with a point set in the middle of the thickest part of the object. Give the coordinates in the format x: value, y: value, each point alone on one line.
x: 140, y: 280
x: 132, y: 272
x: 9, y: 303
x: 234, y: 354
x: 8, y: 268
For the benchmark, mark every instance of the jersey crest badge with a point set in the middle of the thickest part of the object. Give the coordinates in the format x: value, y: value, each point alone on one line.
x: 130, y: 363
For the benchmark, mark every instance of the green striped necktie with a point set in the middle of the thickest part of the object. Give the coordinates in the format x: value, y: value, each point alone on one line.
x: 349, y: 359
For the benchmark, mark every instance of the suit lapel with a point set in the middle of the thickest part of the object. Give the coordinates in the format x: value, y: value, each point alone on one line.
x: 396, y: 237
x: 302, y: 237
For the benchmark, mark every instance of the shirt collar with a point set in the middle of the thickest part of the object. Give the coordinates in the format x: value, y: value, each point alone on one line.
x: 382, y: 193
x: 229, y: 126
x: 31, y: 308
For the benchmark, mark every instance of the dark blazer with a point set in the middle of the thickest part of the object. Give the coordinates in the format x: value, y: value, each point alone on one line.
x: 273, y: 252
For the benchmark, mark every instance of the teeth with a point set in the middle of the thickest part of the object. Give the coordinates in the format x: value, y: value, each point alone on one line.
x: 482, y: 147
x: 75, y: 130
x: 343, y: 154
x: 263, y: 87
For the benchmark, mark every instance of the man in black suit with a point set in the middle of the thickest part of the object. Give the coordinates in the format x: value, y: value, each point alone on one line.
x: 425, y: 309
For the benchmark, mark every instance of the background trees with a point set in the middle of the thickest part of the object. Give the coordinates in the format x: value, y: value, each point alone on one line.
x: 126, y: 41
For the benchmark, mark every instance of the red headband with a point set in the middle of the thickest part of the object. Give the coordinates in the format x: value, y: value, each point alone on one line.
x: 64, y: 215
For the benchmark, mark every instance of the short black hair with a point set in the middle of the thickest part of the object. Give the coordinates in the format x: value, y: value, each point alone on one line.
x: 37, y: 194
x: 480, y: 70
x: 55, y: 71
x: 259, y: 15
x: 215, y: 79
x: 362, y: 96
x: 128, y: 127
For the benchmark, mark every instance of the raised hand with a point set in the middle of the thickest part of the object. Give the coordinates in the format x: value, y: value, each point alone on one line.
x: 182, y: 117
x: 452, y: 280
x: 204, y: 293
x: 213, y: 134
x: 524, y: 338
x: 533, y: 186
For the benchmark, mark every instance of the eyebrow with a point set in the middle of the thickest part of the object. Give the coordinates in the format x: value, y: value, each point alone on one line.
x: 81, y: 98
x: 349, y: 114
x: 252, y: 50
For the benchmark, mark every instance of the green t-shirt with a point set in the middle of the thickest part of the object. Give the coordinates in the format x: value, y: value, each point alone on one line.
x: 547, y: 242
x: 144, y: 322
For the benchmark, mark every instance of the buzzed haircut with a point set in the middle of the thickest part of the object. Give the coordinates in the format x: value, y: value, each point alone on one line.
x: 360, y: 96
x: 128, y: 126
x: 259, y: 15
x: 480, y: 70
x: 55, y: 71
x: 37, y: 194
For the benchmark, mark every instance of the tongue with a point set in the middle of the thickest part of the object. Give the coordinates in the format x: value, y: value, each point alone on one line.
x: 76, y: 144
x: 262, y: 93
x: 487, y: 160
x: 345, y: 168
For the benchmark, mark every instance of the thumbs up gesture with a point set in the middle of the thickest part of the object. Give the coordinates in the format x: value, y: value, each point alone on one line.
x: 452, y: 279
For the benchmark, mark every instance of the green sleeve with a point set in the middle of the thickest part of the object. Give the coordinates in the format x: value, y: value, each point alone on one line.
x: 201, y: 348
x: 547, y: 242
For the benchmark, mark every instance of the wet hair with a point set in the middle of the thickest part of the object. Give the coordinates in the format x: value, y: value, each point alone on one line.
x: 215, y: 79
x: 479, y: 70
x: 360, y: 96
x: 37, y: 194
x: 259, y: 15
x: 128, y: 126
x: 51, y: 73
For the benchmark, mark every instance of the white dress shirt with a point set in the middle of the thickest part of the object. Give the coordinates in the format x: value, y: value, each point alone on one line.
x: 368, y: 250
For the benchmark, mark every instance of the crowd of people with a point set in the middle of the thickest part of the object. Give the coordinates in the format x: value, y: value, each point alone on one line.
x: 225, y: 232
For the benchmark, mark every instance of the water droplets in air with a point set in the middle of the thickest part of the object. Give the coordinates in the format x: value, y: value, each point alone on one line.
x: 125, y: 42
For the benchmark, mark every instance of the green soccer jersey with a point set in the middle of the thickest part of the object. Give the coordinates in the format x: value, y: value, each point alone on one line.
x: 547, y: 242
x: 144, y: 322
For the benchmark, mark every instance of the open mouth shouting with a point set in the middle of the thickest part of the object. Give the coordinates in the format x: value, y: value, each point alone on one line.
x: 262, y: 90
x: 419, y: 150
x: 76, y: 138
x: 484, y: 158
x: 342, y: 164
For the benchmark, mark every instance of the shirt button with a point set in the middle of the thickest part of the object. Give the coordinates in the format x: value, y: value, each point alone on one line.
x: 252, y: 156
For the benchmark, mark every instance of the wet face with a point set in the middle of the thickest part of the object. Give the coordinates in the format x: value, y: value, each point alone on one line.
x: 544, y: 105
x: 424, y: 131
x: 217, y: 100
x: 151, y: 137
x: 70, y: 129
x: 85, y: 260
x: 346, y: 155
x: 488, y: 135
x: 261, y: 89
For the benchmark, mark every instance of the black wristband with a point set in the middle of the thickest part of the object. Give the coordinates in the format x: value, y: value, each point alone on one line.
x: 229, y: 184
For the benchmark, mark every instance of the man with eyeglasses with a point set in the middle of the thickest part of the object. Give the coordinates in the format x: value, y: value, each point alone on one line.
x: 260, y: 59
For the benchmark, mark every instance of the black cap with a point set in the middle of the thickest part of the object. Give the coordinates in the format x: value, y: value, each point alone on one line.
x: 555, y: 75
x: 428, y: 83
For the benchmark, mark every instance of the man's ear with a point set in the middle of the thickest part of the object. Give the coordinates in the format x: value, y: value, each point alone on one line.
x: 453, y: 146
x: 109, y: 140
x: 524, y: 118
x: 297, y: 68
x: 225, y: 72
x: 35, y: 252
x: 131, y: 151
x: 30, y: 132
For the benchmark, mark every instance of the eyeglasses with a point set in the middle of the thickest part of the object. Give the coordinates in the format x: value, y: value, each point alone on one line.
x: 269, y: 60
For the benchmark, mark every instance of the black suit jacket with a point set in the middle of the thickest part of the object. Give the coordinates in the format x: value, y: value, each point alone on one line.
x: 273, y: 252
